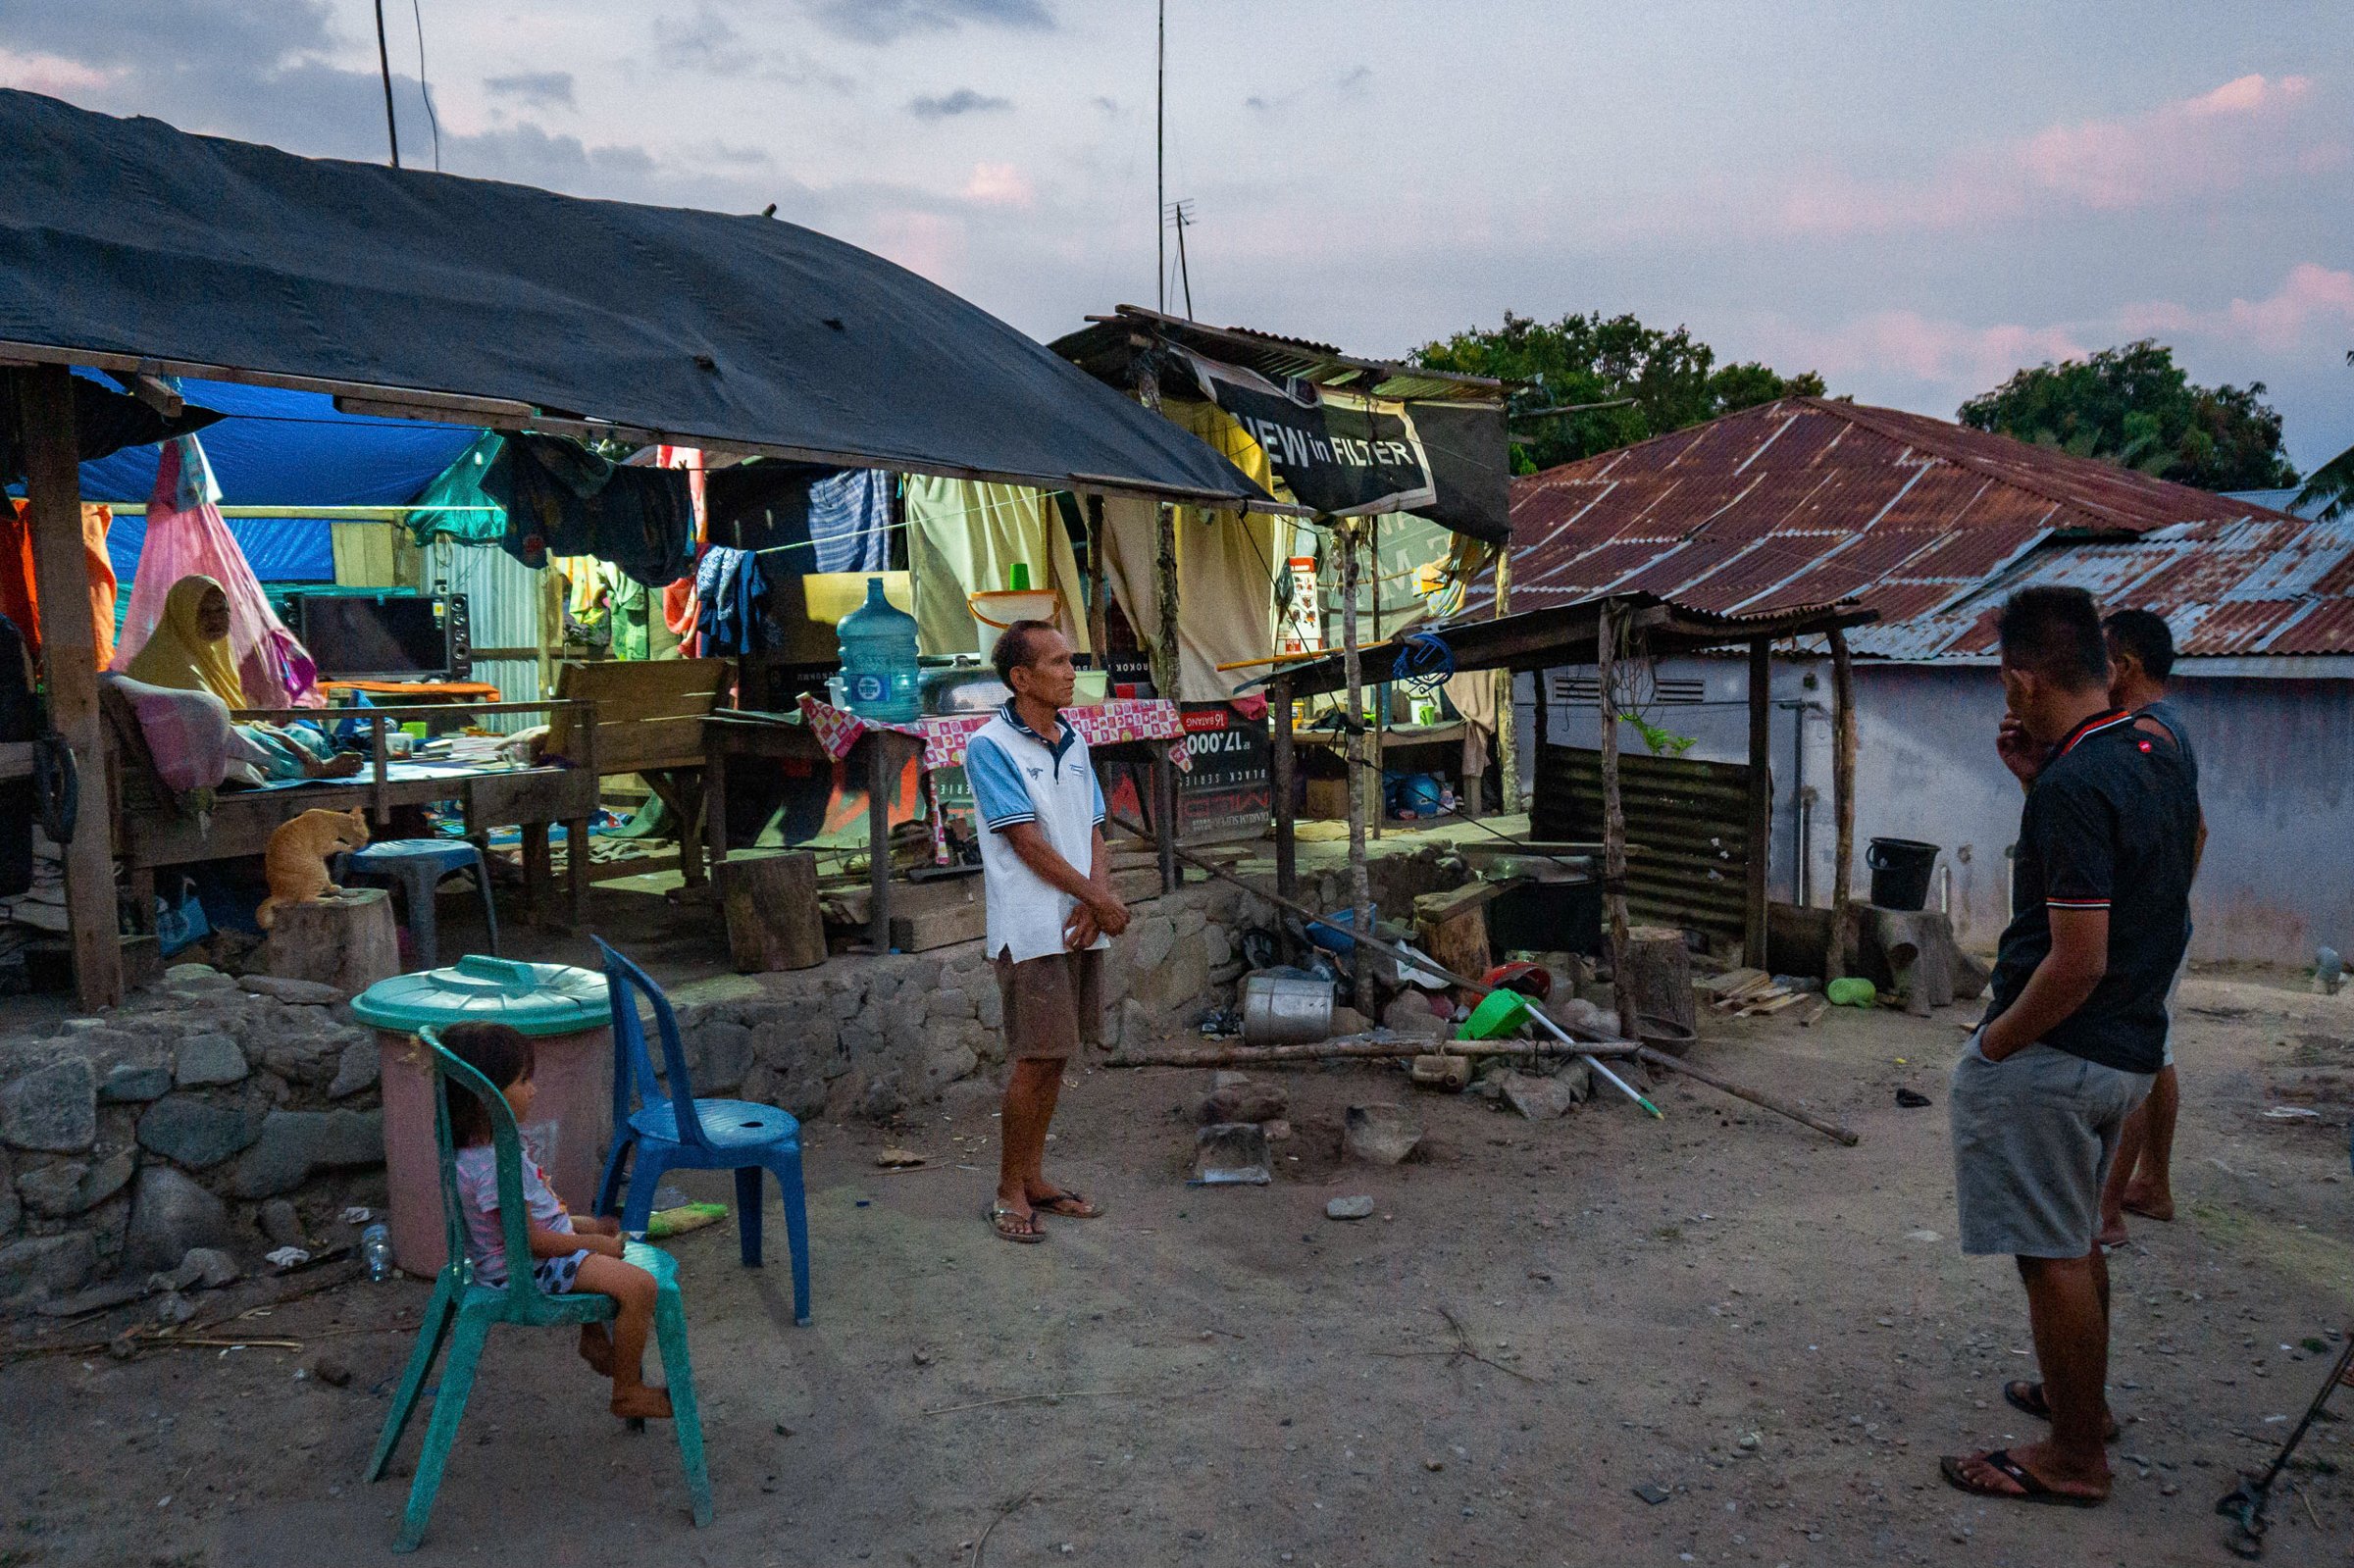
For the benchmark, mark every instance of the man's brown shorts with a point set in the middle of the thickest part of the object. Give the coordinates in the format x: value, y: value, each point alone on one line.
x: 1051, y: 1004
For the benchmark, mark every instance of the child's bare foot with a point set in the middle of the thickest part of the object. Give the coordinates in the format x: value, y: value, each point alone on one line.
x: 642, y: 1403
x: 596, y: 1348
x: 2149, y: 1200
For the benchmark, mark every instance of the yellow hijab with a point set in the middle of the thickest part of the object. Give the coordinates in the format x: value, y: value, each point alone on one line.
x: 178, y: 656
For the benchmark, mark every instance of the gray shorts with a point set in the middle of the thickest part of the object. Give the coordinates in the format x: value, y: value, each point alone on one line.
x: 2033, y: 1138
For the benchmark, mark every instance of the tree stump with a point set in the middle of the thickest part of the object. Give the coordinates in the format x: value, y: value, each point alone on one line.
x: 345, y: 939
x: 1452, y: 927
x: 770, y: 900
x: 1912, y: 952
x: 1656, y: 976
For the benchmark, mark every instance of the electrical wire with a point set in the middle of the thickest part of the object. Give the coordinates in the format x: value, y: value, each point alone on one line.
x: 422, y: 88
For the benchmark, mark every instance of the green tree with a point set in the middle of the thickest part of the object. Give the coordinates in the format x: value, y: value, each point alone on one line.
x: 2332, y: 482
x: 1654, y: 381
x: 2137, y: 408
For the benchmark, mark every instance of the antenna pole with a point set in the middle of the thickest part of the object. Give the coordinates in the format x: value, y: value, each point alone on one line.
x: 1184, y: 272
x: 384, y: 61
x: 1160, y: 162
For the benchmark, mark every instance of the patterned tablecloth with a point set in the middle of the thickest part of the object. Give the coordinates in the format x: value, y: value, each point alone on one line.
x: 944, y: 734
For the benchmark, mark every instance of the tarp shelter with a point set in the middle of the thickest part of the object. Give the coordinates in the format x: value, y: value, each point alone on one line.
x: 482, y: 303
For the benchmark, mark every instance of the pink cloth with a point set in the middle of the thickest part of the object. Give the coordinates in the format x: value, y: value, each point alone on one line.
x: 188, y: 734
x: 944, y: 734
x: 186, y: 536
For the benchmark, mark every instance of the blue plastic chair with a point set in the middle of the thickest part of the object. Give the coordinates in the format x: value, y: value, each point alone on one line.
x: 678, y: 1132
x: 417, y: 865
x: 461, y: 1312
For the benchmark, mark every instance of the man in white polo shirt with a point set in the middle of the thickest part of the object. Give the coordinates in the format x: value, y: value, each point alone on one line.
x: 1041, y: 816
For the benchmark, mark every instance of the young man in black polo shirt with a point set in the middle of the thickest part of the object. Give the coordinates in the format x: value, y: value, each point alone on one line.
x: 2078, y: 1023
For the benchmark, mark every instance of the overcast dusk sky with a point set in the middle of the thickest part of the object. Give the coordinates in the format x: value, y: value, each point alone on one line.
x: 1914, y: 200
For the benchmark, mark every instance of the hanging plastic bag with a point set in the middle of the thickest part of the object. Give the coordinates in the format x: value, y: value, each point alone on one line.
x: 181, y: 925
x: 186, y: 536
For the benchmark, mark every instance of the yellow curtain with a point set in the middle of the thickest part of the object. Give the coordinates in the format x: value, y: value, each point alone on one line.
x: 1227, y: 566
x: 963, y: 537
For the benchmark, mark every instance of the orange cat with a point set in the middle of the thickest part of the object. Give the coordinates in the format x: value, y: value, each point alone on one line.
x: 299, y: 850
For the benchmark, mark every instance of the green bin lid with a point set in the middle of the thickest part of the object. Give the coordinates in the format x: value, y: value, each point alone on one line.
x: 535, y: 998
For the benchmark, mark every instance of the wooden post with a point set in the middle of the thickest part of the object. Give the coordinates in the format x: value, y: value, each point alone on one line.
x: 1285, y: 768
x: 1361, y: 885
x: 1614, y: 814
x: 1165, y: 670
x: 1098, y: 591
x: 61, y: 580
x: 877, y: 841
x: 1657, y: 979
x: 1165, y: 820
x: 1843, y: 794
x: 770, y: 900
x: 1760, y: 801
x: 1508, y: 739
x: 1376, y: 778
x: 344, y: 940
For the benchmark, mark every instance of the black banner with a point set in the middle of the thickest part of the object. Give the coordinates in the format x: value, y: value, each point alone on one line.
x: 1341, y: 454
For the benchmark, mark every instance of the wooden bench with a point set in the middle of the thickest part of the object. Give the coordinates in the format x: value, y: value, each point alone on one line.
x: 152, y: 831
x: 642, y: 717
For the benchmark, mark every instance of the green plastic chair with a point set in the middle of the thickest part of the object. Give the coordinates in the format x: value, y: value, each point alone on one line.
x: 459, y: 1303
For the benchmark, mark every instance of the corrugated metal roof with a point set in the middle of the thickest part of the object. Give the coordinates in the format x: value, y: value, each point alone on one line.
x: 1808, y: 501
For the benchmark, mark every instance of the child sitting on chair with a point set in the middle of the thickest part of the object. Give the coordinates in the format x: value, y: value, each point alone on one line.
x: 569, y: 1254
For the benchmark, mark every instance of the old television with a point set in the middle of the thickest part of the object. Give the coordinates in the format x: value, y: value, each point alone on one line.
x: 384, y: 634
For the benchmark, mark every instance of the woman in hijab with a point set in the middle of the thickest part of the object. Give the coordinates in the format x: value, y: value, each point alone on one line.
x: 190, y: 651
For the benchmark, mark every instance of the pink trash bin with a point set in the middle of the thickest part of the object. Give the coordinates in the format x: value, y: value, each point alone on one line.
x: 565, y: 1011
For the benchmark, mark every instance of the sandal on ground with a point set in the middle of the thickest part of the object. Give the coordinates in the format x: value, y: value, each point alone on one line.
x: 2027, y: 1397
x: 1069, y: 1204
x: 2029, y: 1489
x: 1012, y: 1224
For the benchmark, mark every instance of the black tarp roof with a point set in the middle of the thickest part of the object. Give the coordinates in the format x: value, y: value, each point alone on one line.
x: 126, y: 240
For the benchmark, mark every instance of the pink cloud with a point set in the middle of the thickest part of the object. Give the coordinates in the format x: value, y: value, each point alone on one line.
x: 2311, y: 300
x: 53, y: 74
x: 922, y: 243
x: 1920, y: 349
x: 1000, y: 185
x: 2248, y: 130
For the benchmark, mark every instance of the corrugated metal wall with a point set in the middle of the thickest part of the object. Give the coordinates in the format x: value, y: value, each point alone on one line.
x: 503, y: 606
x: 1688, y: 822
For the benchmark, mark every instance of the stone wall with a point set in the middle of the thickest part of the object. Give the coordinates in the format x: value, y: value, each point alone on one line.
x: 243, y: 1113
x: 173, y: 1122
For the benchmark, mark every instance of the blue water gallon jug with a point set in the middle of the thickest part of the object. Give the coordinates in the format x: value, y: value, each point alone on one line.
x: 878, y: 659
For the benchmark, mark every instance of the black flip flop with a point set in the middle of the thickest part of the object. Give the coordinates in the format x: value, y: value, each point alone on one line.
x: 1061, y: 1205
x: 1033, y: 1233
x: 2027, y: 1398
x: 2030, y: 1488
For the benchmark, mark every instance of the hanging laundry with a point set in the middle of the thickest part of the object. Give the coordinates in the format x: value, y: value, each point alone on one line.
x: 849, y: 521
x: 732, y: 604
x: 563, y: 499
x: 19, y: 602
x: 963, y: 537
x: 455, y: 506
x: 188, y: 537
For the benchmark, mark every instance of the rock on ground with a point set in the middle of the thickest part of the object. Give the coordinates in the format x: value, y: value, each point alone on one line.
x: 1237, y: 1097
x: 53, y: 1109
x: 206, y: 1059
x: 44, y: 1265
x: 1349, y: 1208
x: 170, y: 1214
x: 1541, y: 1098
x: 300, y: 992
x: 1379, y: 1134
x: 282, y: 1223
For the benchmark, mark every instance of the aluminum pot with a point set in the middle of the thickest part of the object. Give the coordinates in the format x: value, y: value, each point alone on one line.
x: 1278, y: 1009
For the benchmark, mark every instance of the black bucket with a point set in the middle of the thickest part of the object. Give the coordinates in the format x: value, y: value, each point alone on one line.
x: 1900, y: 872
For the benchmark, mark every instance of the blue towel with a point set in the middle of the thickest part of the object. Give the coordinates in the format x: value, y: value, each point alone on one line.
x: 849, y: 518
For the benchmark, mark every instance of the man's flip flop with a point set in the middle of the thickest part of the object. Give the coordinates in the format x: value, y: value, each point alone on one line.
x: 1012, y: 1224
x: 1069, y: 1205
x: 2027, y: 1398
x: 2030, y: 1489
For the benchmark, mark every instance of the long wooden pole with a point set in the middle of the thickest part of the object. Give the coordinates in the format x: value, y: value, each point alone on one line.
x: 1349, y: 1049
x: 1761, y: 802
x: 1614, y: 812
x: 1361, y: 885
x: 1587, y: 1050
x: 1381, y: 696
x: 1285, y: 768
x: 1508, y: 739
x: 1098, y: 593
x: 61, y: 578
x: 1843, y: 794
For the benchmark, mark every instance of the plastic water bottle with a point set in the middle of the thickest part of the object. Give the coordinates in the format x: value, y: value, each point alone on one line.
x: 2329, y: 970
x: 878, y: 659
x: 375, y: 1249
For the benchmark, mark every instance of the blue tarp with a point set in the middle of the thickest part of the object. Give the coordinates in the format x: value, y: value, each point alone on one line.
x: 280, y: 448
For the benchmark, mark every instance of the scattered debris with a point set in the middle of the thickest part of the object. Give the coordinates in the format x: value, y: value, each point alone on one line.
x: 1654, y: 1496
x: 1911, y: 1099
x: 1238, y: 1097
x: 1379, y: 1134
x: 331, y: 1372
x: 1360, y: 1207
x: 286, y: 1257
x: 893, y: 1157
x: 1231, y: 1154
x: 202, y: 1268
x: 1448, y: 1071
x: 1748, y: 992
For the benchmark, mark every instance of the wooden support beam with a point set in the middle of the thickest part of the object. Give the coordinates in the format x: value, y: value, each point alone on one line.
x: 1843, y: 793
x: 1097, y: 584
x: 1614, y: 812
x: 878, y: 841
x: 1165, y: 820
x: 1760, y: 801
x: 1285, y: 767
x: 1360, y: 887
x: 61, y: 580
x: 1508, y: 739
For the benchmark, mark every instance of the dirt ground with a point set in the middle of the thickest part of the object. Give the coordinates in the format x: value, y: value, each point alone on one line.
x: 1775, y: 1333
